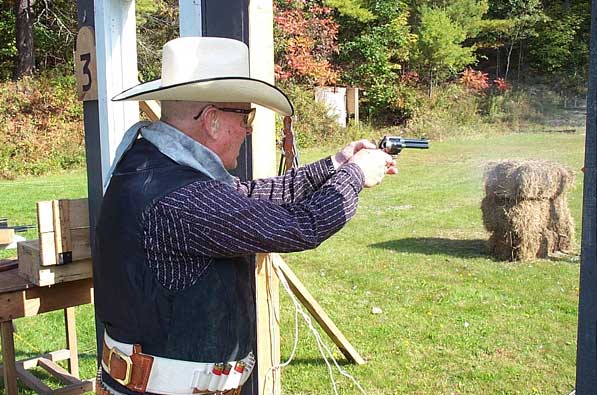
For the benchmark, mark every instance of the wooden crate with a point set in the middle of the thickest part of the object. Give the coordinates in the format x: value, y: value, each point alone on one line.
x: 30, y: 266
x: 63, y: 231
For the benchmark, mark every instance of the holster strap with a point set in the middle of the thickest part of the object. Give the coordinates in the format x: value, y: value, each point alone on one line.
x: 132, y: 370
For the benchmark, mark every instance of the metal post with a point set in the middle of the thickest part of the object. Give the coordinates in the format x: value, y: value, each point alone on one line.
x: 586, y: 357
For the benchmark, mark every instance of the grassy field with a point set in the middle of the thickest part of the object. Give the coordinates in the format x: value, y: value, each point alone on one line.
x: 453, y: 320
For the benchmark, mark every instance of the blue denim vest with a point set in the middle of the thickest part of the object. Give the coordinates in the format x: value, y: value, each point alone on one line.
x: 211, y: 321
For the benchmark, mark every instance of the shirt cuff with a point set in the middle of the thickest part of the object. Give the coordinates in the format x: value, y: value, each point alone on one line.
x: 355, y: 172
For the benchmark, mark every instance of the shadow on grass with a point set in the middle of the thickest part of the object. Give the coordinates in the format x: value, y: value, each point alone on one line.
x: 436, y: 245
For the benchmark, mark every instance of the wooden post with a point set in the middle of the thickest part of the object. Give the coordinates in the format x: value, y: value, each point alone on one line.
x: 71, y: 340
x: 261, y: 50
x: 352, y: 104
x: 8, y: 356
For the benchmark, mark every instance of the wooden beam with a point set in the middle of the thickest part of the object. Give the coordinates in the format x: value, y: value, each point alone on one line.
x: 57, y: 371
x: 301, y: 292
x: 37, y: 300
x: 31, y: 381
x: 152, y: 109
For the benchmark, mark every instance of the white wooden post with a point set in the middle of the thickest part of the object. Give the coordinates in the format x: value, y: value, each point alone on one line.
x: 261, y: 54
x: 261, y: 50
x: 116, y: 48
x: 190, y: 18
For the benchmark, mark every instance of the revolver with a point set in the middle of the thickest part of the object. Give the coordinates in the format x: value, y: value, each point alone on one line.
x: 394, y: 144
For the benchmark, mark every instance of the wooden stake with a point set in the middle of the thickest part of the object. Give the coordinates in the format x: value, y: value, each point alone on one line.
x: 301, y: 292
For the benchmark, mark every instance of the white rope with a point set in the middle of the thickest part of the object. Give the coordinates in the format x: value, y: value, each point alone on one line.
x: 323, y: 348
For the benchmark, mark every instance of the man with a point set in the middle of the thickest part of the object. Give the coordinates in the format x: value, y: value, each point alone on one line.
x: 176, y: 230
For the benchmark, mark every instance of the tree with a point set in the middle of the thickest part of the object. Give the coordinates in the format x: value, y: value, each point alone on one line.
x: 372, y: 54
x: 562, y: 41
x: 439, y: 50
x: 24, y: 38
x: 520, y: 19
x: 305, y: 41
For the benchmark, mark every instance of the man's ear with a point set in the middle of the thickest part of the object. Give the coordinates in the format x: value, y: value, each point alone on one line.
x: 210, y: 123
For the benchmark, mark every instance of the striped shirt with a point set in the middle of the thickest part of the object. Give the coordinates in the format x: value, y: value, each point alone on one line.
x: 186, y: 229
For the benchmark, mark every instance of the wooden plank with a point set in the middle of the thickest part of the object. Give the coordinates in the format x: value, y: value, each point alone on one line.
x: 37, y: 300
x: 71, y: 340
x: 152, y: 109
x: 45, y: 216
x: 75, y: 389
x: 65, y: 225
x: 79, y: 213
x: 58, y: 371
x: 11, y: 281
x: 7, y: 236
x: 59, y: 355
x: 47, y: 248
x: 8, y: 356
x: 301, y: 292
x: 43, y: 276
x: 58, y: 230
x: 268, y: 325
x: 31, y: 381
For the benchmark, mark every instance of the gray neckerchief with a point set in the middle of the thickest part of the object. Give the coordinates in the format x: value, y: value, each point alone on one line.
x: 175, y: 145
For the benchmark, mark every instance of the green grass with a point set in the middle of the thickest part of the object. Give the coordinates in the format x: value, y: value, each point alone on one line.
x: 453, y: 321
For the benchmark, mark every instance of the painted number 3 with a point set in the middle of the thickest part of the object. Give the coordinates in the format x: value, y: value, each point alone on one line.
x: 86, y: 58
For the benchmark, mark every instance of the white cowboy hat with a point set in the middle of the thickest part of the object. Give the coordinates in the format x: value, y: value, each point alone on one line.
x: 209, y: 69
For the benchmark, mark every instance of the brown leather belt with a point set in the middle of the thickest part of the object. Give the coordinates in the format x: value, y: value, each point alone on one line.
x: 130, y: 371
x: 133, y: 371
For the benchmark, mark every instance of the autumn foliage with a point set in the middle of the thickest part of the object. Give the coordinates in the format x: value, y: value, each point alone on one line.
x: 475, y: 80
x: 306, y: 40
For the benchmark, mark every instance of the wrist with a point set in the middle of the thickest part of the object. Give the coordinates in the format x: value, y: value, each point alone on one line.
x: 337, y: 161
x: 332, y: 165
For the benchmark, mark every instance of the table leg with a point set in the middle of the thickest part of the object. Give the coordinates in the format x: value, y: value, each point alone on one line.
x: 71, y: 340
x: 8, y: 356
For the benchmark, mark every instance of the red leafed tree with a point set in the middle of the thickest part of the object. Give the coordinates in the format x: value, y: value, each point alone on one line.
x: 305, y: 41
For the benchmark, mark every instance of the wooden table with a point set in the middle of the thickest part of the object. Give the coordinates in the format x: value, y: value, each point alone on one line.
x: 19, y: 298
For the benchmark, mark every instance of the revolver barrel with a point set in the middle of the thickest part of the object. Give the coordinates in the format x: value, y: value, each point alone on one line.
x: 394, y: 144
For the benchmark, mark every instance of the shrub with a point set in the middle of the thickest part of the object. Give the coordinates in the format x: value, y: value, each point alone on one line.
x: 41, y: 127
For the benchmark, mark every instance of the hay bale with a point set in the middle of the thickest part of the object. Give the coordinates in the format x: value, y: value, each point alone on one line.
x: 526, y: 210
x: 562, y: 224
x: 523, y: 180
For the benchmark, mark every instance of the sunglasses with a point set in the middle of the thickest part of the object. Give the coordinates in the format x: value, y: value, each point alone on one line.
x: 247, y: 121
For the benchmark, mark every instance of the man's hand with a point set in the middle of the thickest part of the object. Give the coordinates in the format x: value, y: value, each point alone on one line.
x: 348, y: 152
x: 375, y: 165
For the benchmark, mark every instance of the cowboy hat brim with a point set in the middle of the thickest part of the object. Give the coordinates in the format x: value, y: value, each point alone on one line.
x: 224, y: 89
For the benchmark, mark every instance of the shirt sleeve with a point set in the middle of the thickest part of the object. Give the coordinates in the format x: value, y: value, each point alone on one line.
x: 290, y: 187
x: 213, y: 219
